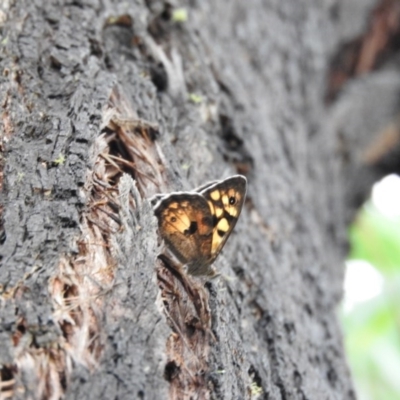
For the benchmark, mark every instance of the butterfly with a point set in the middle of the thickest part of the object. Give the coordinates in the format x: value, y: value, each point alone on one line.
x: 196, y: 225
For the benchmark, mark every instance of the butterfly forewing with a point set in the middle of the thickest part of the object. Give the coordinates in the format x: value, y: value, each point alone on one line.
x: 225, y: 200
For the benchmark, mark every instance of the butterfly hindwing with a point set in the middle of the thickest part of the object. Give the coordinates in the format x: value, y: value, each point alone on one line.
x: 185, y: 223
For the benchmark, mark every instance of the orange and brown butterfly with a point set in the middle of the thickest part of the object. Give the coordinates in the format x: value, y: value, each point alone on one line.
x: 195, y: 225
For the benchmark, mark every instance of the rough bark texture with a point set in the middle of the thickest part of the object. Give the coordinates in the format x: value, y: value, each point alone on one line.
x: 105, y: 103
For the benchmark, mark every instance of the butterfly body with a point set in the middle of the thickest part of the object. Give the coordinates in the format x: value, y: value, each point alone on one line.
x: 195, y: 225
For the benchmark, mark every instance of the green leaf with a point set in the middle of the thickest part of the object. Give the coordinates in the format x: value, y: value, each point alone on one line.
x: 376, y: 238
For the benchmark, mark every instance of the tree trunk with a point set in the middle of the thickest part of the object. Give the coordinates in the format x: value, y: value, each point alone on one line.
x: 106, y: 103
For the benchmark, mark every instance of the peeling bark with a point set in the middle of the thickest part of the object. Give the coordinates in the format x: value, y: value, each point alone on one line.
x: 106, y: 103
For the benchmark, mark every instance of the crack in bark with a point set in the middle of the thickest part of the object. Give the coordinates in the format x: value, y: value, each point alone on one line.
x: 83, y: 279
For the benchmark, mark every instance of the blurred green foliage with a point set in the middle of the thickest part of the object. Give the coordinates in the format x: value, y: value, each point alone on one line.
x: 372, y: 328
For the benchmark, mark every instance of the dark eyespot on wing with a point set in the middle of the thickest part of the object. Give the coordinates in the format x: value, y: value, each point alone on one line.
x: 192, y: 229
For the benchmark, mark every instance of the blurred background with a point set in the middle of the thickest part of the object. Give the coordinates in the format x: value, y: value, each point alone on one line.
x: 370, y: 310
x: 364, y: 97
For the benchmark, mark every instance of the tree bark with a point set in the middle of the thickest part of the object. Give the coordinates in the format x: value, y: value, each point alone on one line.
x: 106, y: 103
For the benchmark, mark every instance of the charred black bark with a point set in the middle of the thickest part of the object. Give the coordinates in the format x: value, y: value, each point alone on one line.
x: 105, y: 103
